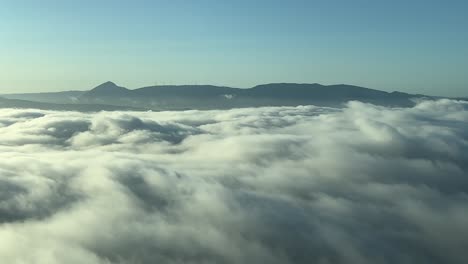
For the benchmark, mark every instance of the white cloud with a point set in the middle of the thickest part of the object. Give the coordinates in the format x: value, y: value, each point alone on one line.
x: 306, y: 184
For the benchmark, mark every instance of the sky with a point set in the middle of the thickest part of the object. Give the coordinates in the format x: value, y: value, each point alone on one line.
x: 412, y: 46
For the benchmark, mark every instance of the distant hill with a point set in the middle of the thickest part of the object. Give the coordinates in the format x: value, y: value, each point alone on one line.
x: 15, y: 103
x: 55, y: 97
x: 176, y: 97
x: 107, y: 89
x: 217, y: 97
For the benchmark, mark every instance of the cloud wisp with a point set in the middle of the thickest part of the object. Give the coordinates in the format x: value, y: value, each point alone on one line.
x: 363, y: 184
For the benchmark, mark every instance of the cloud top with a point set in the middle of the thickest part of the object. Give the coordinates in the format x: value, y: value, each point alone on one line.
x: 363, y: 184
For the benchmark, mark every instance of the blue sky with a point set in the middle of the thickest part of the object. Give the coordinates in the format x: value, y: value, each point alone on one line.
x: 414, y: 46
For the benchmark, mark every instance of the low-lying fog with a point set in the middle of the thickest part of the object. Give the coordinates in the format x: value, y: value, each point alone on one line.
x: 363, y: 184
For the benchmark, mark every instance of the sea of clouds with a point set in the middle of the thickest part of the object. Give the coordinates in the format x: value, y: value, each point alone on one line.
x: 362, y: 184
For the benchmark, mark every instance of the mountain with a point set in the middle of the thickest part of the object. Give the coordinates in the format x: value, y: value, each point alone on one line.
x: 107, y: 89
x: 16, y: 103
x: 217, y: 97
x: 69, y: 97
x: 54, y: 97
x: 177, y: 97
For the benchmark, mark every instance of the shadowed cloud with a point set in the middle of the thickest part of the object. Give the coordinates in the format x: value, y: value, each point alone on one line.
x: 363, y: 184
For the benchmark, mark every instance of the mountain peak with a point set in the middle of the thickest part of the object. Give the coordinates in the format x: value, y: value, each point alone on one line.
x: 109, y: 83
x: 106, y: 85
x: 108, y: 88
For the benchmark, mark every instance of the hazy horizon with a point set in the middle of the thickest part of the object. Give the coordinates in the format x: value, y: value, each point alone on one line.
x: 413, y: 47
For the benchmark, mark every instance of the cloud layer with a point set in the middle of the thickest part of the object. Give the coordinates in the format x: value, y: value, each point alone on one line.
x: 363, y: 184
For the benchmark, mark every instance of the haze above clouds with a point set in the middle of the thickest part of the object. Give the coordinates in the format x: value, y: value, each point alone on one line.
x: 363, y: 184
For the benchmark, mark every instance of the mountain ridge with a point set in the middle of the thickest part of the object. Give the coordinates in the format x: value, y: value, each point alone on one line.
x: 177, y: 97
x: 109, y: 87
x: 108, y: 83
x: 211, y: 96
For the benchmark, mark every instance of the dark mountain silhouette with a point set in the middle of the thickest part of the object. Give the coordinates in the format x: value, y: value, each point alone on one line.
x: 209, y: 96
x: 107, y: 89
x: 54, y: 97
x: 176, y: 97
x: 185, y: 90
x: 16, y: 103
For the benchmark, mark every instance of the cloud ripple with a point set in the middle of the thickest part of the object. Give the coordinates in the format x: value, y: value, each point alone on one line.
x: 363, y: 184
